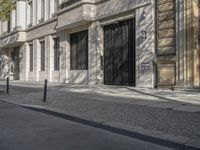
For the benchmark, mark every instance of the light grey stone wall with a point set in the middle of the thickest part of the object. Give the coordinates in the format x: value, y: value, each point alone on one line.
x: 95, y: 48
x: 145, y: 47
x: 78, y: 76
x: 36, y: 59
x: 49, y: 57
x: 114, y: 7
x: 65, y: 56
x: 41, y: 30
x: 24, y: 62
x: 21, y: 14
x: 55, y: 76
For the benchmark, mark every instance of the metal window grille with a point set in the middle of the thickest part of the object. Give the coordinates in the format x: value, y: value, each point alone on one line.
x: 42, y: 44
x: 31, y: 57
x: 56, y: 54
x: 79, y: 50
x: 42, y: 8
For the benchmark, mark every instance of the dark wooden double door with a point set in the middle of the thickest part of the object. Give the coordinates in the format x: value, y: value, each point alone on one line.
x: 119, y: 53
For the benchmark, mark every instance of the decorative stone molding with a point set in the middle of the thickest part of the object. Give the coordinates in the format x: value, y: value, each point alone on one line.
x: 12, y: 39
x: 41, y: 20
x: 17, y: 28
x: 30, y: 25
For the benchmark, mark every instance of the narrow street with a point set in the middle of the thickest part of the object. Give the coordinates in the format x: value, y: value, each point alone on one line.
x: 22, y: 129
x: 116, y: 111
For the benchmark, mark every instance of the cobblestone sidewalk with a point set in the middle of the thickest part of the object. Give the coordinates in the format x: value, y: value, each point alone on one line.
x: 121, y: 107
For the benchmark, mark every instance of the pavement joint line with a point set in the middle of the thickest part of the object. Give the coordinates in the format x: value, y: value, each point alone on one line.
x: 150, y: 94
x: 137, y: 135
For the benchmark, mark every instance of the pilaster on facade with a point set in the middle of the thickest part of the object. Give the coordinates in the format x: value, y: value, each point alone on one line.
x: 49, y: 59
x: 95, y: 53
x: 33, y: 10
x: 145, y: 48
x: 180, y: 42
x: 21, y: 14
x: 64, y: 56
x: 24, y: 60
x: 40, y: 18
x: 36, y: 59
x: 13, y: 20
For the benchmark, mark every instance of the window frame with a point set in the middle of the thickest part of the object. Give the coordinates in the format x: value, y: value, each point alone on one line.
x: 31, y: 57
x: 56, y: 48
x: 42, y: 9
x: 75, y: 47
x: 42, y: 55
x: 56, y: 6
x: 30, y: 5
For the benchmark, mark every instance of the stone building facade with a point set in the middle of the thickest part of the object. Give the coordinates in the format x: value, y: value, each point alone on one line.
x: 143, y: 43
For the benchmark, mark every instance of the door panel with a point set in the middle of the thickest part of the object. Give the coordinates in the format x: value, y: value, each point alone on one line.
x: 119, y: 52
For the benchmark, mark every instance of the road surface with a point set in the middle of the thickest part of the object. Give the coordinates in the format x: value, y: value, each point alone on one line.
x: 25, y: 129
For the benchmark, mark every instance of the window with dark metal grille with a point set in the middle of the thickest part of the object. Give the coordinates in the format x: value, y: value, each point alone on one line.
x: 8, y: 24
x: 42, y: 8
x: 42, y: 44
x: 79, y: 50
x: 56, y: 54
x: 31, y: 57
x: 56, y: 5
x: 30, y: 6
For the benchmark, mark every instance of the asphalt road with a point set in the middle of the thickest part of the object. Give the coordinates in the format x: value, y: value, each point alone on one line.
x: 25, y: 129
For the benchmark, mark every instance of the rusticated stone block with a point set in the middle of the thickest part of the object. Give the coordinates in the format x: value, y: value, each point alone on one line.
x: 166, y: 24
x: 164, y: 1
x: 166, y: 50
x: 166, y: 33
x: 167, y: 42
x: 166, y: 74
x: 166, y: 7
x: 166, y: 16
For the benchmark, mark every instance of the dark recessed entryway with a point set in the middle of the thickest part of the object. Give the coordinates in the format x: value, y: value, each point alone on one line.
x: 119, y: 53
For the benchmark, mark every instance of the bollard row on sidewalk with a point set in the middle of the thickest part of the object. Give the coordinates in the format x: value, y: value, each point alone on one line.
x: 44, y: 93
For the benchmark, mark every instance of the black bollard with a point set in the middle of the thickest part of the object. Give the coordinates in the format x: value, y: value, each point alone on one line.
x: 45, y: 91
x: 7, y: 85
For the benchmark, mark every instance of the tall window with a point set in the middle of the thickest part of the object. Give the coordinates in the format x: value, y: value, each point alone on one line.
x: 42, y: 45
x: 8, y: 25
x: 31, y: 57
x: 42, y: 8
x: 30, y: 10
x: 0, y: 28
x: 56, y: 54
x: 56, y: 5
x: 79, y: 50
